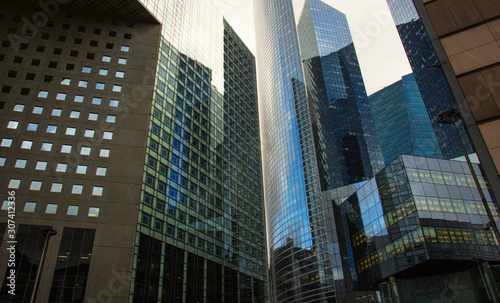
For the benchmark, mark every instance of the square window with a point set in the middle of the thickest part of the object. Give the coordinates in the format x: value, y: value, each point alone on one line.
x: 70, y: 131
x: 77, y: 41
x: 101, y: 171
x: 125, y: 48
x: 6, y: 89
x: 19, y: 108
x: 34, y: 62
x: 122, y: 61
x: 56, y: 112
x: 72, y: 210
x: 65, y: 81
x: 117, y: 88
x: 40, y: 48
x: 51, y: 129
x: 70, y: 66
x: 30, y: 76
x: 99, y: 86
x: 93, y: 43
x: 97, y: 31
x: 81, y: 169
x: 74, y: 114
x: 96, y: 101
x: 6, y: 142
x: 46, y: 146
x: 65, y: 26
x: 61, y: 96
x: 20, y: 163
x: 111, y: 119
x: 86, y: 69
x: 43, y: 94
x: 45, y: 36
x: 106, y: 58
x: 48, y: 78
x: 97, y: 191
x: 108, y: 135
x: 61, y: 38
x: 103, y: 72
x: 83, y: 83
x: 94, y: 212
x: 89, y: 133
x: 26, y: 144
x: 119, y: 74
x: 79, y: 98
x: 52, y: 64
x: 93, y: 116
x: 85, y: 151
x: 5, y: 205
x: 61, y: 167
x: 32, y: 127
x: 41, y: 165
x: 24, y: 91
x: 13, y: 124
x: 114, y: 103
x: 51, y: 209
x: 73, y: 53
x: 112, y: 33
x: 109, y: 45
x: 77, y: 189
x: 66, y: 149
x: 37, y: 110
x: 29, y: 207
x: 12, y: 74
x: 57, y: 51
x: 36, y: 185
x: 14, y: 183
x: 2, y: 161
x: 81, y: 29
x: 127, y: 36
x: 56, y: 188
x: 104, y: 153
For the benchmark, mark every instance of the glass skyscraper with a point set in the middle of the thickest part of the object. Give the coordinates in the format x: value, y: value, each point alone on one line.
x: 402, y: 122
x: 317, y: 133
x: 129, y: 137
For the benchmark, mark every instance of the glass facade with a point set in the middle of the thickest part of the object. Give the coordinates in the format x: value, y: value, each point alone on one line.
x: 402, y: 122
x: 430, y: 78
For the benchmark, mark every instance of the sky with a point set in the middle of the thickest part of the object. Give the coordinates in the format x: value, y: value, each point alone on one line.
x: 380, y: 52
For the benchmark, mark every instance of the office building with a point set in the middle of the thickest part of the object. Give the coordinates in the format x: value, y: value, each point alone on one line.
x: 129, y: 135
x: 415, y: 232
x: 402, y: 122
x: 317, y: 133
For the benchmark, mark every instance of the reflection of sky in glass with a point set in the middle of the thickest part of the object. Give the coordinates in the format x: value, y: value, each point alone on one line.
x: 371, y: 210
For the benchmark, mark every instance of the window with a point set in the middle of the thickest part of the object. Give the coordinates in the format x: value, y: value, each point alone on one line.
x: 81, y: 169
x: 70, y: 66
x: 94, y: 211
x: 77, y: 189
x: 19, y: 108
x: 72, y: 210
x: 30, y: 76
x: 108, y: 135
x: 99, y: 86
x: 2, y: 161
x: 43, y: 94
x: 56, y: 187
x: 6, y: 89
x: 111, y: 119
x: 96, y: 101
x: 97, y: 31
x: 51, y: 209
x: 125, y: 48
x: 13, y: 124
x: 6, y: 142
x: 29, y: 207
x: 46, y: 146
x: 104, y: 153
x: 40, y: 48
x: 14, y: 183
x: 37, y: 110
x: 103, y: 72
x: 79, y: 98
x: 93, y: 116
x: 61, y: 96
x: 114, y: 103
x: 93, y: 43
x: 101, y: 171
x: 122, y: 61
x: 48, y: 78
x: 83, y: 83
x: 85, y: 151
x: 65, y: 81
x: 24, y: 91
x: 26, y: 144
x: 109, y: 45
x: 12, y: 74
x: 90, y: 56
x: 41, y: 165
x: 52, y: 64
x: 36, y: 185
x: 51, y: 129
x: 32, y: 127
x: 74, y: 114
x: 73, y: 53
x: 56, y: 112
x: 66, y: 149
x: 127, y: 36
x: 106, y: 58
x: 34, y: 62
x: 97, y: 191
x: 117, y: 88
x: 119, y: 74
x: 20, y: 163
x: 86, y: 69
x: 61, y: 167
x: 89, y: 133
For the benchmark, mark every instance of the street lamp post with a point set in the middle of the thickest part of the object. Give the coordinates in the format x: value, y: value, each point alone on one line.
x: 449, y: 116
x: 47, y: 232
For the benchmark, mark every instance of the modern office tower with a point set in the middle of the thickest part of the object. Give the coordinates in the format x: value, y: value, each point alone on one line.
x: 402, y: 122
x: 416, y: 233
x: 317, y: 133
x: 129, y: 139
x: 431, y: 81
x: 465, y: 36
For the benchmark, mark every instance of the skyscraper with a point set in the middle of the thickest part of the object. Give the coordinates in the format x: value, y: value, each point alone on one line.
x: 402, y: 122
x: 130, y: 142
x: 317, y: 133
